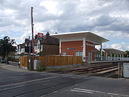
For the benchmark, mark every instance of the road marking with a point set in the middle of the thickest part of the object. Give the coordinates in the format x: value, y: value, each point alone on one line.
x: 24, y: 82
x: 11, y: 88
x: 94, y: 91
x: 16, y: 86
x: 85, y: 90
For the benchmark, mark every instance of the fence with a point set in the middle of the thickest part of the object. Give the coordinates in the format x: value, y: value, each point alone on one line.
x: 53, y: 60
x: 112, y: 58
x: 24, y: 61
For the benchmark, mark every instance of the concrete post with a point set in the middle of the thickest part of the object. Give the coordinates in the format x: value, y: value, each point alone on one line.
x: 117, y: 56
x: 19, y: 49
x: 84, y: 50
x: 120, y: 56
x: 106, y: 56
x: 114, y: 56
x: 101, y: 52
x: 111, y: 56
x: 60, y: 47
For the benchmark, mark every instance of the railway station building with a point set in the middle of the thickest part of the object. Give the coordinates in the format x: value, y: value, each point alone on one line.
x: 80, y: 44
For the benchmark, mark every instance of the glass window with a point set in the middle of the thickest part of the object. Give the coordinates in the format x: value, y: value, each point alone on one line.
x: 71, y: 48
x: 79, y: 53
x: 64, y: 53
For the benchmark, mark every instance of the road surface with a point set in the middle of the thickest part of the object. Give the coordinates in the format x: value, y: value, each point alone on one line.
x: 28, y: 84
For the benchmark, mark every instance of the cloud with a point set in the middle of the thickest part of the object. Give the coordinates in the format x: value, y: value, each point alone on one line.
x: 121, y: 46
x: 107, y: 18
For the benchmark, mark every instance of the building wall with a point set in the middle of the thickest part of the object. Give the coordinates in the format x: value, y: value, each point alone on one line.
x: 50, y: 50
x: 90, y: 50
x: 71, y: 47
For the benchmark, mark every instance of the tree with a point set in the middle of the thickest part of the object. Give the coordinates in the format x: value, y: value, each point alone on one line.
x: 6, y: 46
x: 127, y: 53
x: 47, y: 34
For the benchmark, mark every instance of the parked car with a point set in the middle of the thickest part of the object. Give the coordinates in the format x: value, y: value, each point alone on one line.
x: 3, y: 61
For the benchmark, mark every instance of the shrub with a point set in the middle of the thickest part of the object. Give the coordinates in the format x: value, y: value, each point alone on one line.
x: 40, y: 67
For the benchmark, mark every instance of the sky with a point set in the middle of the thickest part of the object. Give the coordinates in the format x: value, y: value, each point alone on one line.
x: 107, y: 18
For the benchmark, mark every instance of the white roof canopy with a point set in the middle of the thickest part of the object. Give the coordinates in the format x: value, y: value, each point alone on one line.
x: 79, y: 35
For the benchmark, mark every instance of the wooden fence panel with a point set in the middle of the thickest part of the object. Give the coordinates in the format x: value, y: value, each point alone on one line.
x: 24, y: 61
x: 53, y: 60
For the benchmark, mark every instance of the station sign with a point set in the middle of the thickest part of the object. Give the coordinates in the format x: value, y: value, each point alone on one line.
x: 40, y: 35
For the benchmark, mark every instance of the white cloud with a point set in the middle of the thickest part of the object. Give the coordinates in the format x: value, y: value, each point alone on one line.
x: 9, y: 11
x: 106, y: 18
x: 121, y: 46
x: 52, y: 7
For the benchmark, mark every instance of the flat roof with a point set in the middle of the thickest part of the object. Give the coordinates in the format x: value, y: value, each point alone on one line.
x: 81, y: 34
x: 115, y: 51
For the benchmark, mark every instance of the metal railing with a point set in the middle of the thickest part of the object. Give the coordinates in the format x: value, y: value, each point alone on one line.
x: 112, y: 58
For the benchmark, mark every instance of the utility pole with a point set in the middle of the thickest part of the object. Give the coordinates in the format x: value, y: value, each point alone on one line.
x: 32, y: 29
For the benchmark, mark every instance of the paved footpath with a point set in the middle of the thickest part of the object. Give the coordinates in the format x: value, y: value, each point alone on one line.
x: 23, y: 83
x: 13, y: 68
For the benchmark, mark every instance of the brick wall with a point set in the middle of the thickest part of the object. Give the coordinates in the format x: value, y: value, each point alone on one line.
x: 71, y: 47
x: 50, y: 50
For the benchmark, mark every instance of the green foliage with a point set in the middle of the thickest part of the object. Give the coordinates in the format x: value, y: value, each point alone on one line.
x: 127, y: 53
x: 6, y: 46
x: 12, y: 59
x: 40, y: 53
x: 41, y: 67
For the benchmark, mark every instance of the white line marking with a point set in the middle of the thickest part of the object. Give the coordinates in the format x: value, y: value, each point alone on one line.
x: 82, y: 91
x: 24, y: 82
x: 17, y: 86
x: 113, y: 94
x: 11, y: 88
x: 85, y: 90
x: 94, y: 91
